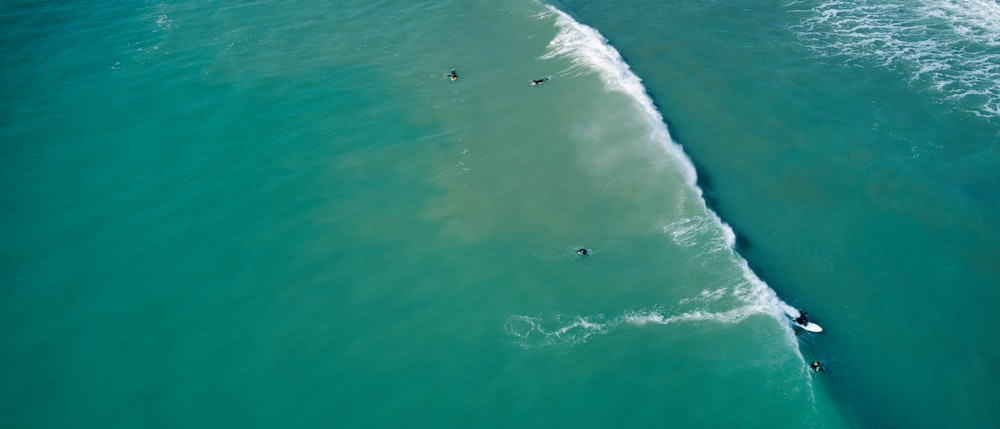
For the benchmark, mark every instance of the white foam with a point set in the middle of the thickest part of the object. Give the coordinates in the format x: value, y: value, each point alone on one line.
x: 590, y: 52
x: 685, y: 232
x: 706, y: 297
x: 728, y: 235
x: 533, y: 331
x: 537, y: 331
x: 952, y: 45
x: 729, y: 317
x: 690, y: 231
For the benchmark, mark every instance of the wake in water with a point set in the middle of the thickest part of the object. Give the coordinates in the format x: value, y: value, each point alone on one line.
x: 952, y: 45
x: 536, y: 331
x: 589, y: 52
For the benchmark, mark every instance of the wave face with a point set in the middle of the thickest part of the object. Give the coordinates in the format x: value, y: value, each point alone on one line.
x: 950, y: 46
x: 589, y: 52
x: 851, y: 143
x: 214, y: 207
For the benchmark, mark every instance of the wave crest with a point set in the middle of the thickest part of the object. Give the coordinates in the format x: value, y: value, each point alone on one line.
x: 590, y: 52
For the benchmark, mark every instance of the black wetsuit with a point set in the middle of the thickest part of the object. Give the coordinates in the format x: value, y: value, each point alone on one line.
x: 802, y: 319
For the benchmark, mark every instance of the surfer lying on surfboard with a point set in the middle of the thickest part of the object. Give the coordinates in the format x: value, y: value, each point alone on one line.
x: 452, y: 75
x: 539, y: 81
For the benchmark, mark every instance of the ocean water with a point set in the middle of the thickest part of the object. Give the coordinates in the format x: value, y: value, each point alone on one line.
x: 283, y: 214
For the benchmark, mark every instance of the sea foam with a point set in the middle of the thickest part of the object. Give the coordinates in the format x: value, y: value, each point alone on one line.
x: 590, y: 52
x: 951, y: 46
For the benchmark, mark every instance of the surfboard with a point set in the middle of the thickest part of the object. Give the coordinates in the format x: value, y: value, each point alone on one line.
x: 794, y: 313
x: 811, y: 327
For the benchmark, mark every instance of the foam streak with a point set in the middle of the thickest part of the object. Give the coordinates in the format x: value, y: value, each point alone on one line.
x: 589, y: 52
x: 949, y: 45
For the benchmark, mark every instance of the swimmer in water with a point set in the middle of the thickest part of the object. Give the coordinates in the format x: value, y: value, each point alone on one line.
x: 582, y: 252
x: 535, y: 82
x: 452, y: 75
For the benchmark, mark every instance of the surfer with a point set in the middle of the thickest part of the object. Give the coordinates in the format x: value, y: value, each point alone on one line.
x: 816, y: 366
x: 803, y: 319
x: 452, y: 75
x: 582, y: 252
x: 539, y: 81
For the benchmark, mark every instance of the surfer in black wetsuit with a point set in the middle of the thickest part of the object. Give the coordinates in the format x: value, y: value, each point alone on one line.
x: 452, y: 75
x: 539, y: 81
x: 816, y: 366
x: 582, y: 252
x: 803, y: 319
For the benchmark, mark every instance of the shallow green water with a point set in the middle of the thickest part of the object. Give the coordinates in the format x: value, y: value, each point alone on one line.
x: 262, y: 215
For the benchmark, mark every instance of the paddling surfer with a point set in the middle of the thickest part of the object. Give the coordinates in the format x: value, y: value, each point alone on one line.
x: 535, y: 82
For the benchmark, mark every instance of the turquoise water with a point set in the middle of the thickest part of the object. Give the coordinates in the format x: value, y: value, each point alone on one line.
x: 282, y: 214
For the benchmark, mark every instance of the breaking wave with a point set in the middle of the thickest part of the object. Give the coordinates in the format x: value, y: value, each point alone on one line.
x: 589, y: 52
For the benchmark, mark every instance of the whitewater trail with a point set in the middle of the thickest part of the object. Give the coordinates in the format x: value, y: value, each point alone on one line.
x: 589, y: 52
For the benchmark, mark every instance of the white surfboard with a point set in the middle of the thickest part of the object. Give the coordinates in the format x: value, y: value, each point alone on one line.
x: 794, y: 314
x: 811, y: 327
